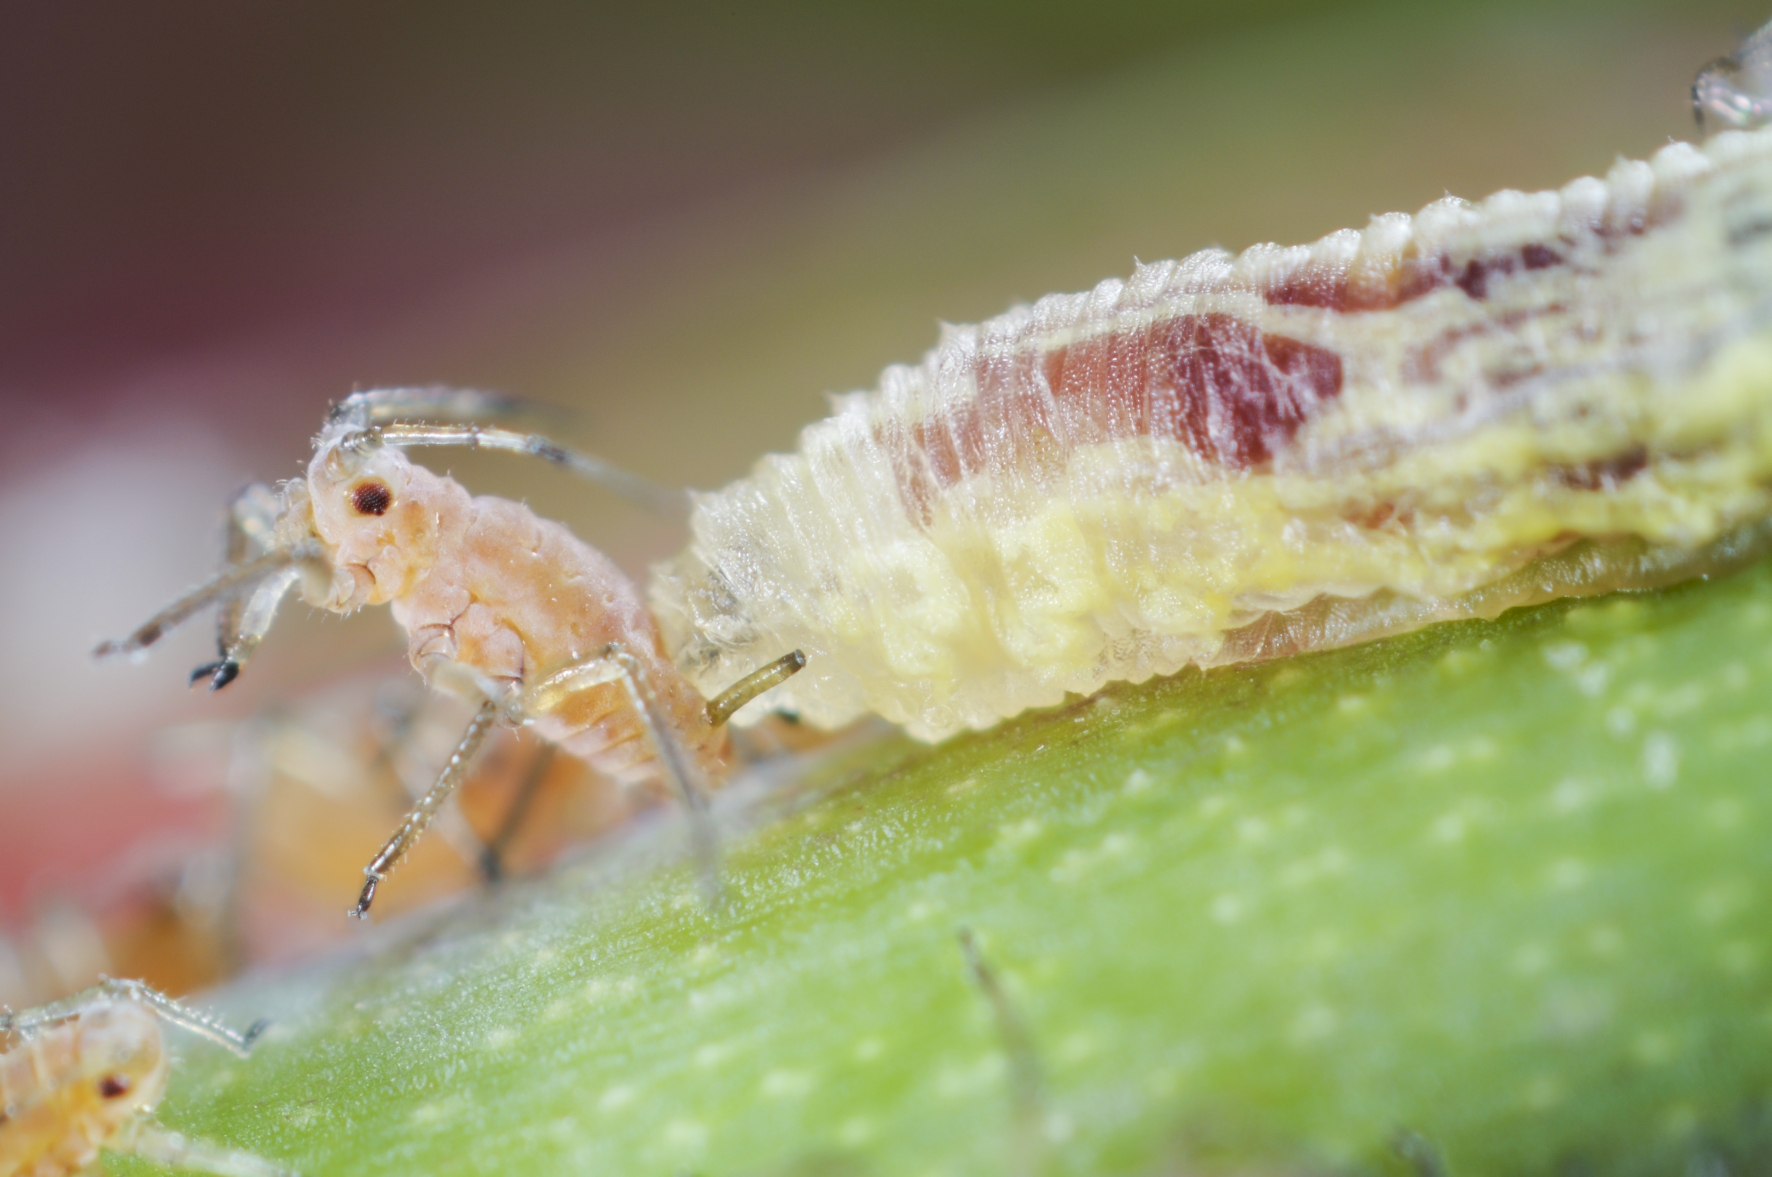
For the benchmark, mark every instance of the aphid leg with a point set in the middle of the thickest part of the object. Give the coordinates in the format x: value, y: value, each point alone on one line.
x: 492, y: 866
x: 224, y: 584
x: 425, y: 812
x: 486, y: 437
x: 1026, y: 1082
x: 722, y: 706
x: 146, y: 1139
x: 174, y: 1012
x: 614, y: 662
x: 377, y: 406
x: 242, y: 621
x: 411, y: 782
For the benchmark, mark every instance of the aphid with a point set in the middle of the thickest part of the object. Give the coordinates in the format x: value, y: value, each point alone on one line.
x: 501, y: 607
x: 86, y: 1074
x: 1229, y: 458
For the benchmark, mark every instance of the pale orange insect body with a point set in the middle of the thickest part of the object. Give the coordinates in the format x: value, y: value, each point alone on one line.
x: 500, y: 606
x: 86, y: 1074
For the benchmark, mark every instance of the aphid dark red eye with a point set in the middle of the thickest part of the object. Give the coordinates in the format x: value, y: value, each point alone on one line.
x: 372, y: 498
x: 114, y: 1086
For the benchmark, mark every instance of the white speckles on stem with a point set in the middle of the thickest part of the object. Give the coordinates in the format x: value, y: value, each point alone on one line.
x: 1356, y: 705
x: 1077, y: 1046
x: 785, y: 1084
x: 920, y: 911
x: 500, y: 1038
x: 1542, y: 1092
x: 1739, y: 958
x: 615, y: 1098
x: 1567, y: 874
x: 1228, y: 908
x: 1437, y: 758
x: 1449, y: 827
x: 1313, y: 1024
x: 1720, y: 901
x: 686, y: 1136
x: 1531, y: 959
x: 1653, y: 1048
x: 1571, y: 795
x: 713, y: 1055
x: 1725, y: 814
x: 1661, y: 760
x: 1137, y: 781
x: 1018, y: 833
x: 1565, y: 656
x: 984, y: 1073
x: 1679, y: 1119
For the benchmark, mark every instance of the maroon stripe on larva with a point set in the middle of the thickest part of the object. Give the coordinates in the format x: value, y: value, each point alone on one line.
x: 1232, y: 394
x: 1329, y: 287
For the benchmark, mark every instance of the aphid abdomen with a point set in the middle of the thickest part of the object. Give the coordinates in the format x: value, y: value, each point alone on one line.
x: 1233, y: 457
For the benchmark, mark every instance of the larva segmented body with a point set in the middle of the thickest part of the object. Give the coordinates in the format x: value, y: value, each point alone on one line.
x: 1227, y: 458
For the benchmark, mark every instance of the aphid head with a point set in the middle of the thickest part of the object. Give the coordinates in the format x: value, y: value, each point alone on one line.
x: 377, y: 515
x: 122, y: 1056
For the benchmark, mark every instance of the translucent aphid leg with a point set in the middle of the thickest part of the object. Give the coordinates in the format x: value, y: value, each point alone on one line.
x: 224, y: 584
x: 1026, y: 1081
x: 410, y: 783
x: 486, y: 437
x: 242, y: 621
x: 150, y: 1141
x: 492, y: 865
x: 110, y: 989
x: 722, y: 706
x: 613, y: 663
x: 378, y: 406
x: 425, y: 812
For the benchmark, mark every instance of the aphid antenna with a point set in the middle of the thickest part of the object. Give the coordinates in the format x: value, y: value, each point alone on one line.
x: 225, y: 584
x: 455, y: 416
x: 379, y: 406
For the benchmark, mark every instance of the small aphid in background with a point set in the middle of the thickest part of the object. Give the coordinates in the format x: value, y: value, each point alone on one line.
x: 86, y: 1073
x: 501, y: 607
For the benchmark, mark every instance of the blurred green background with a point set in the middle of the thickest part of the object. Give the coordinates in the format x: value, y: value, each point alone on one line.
x: 683, y: 223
